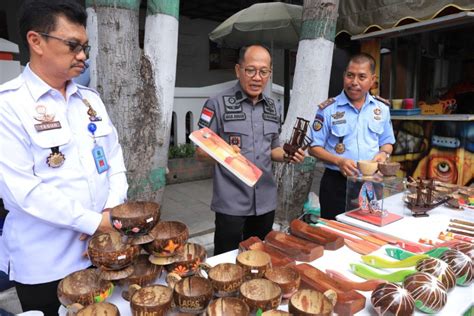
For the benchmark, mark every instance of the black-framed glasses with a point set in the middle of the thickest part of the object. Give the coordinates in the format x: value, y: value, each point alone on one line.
x: 251, y: 72
x: 74, y: 47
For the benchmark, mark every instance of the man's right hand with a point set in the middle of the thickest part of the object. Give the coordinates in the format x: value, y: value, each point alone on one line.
x: 348, y: 167
x: 105, y: 224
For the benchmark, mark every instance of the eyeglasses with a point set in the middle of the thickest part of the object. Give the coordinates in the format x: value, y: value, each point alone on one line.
x: 74, y: 47
x: 252, y: 72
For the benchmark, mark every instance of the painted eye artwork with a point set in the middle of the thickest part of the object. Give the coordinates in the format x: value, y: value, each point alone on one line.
x: 443, y: 168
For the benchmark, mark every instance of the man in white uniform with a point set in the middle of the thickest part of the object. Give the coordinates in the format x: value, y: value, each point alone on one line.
x: 61, y: 166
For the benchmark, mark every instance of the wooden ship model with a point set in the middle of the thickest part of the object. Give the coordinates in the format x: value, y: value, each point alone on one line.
x: 299, y: 139
x: 425, y: 198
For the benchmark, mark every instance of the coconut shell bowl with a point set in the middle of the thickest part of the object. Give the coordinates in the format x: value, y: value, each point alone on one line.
x: 389, y: 169
x: 135, y: 220
x: 112, y: 255
x: 144, y: 273
x: 84, y: 287
x: 185, y: 263
x: 169, y: 239
x: 367, y: 167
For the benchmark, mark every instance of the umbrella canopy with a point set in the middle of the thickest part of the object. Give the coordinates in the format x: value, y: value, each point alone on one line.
x: 274, y: 24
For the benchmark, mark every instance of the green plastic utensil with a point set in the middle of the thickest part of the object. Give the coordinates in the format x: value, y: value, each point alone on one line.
x: 401, y: 254
x: 379, y: 262
x: 370, y: 274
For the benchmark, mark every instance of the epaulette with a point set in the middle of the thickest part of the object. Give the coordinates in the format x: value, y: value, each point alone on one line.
x: 13, y: 84
x: 81, y: 87
x: 326, y: 103
x: 379, y: 98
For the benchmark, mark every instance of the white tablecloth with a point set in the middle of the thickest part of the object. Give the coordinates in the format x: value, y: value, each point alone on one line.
x: 410, y: 228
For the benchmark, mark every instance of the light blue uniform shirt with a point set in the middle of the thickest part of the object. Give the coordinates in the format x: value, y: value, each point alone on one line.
x: 361, y: 131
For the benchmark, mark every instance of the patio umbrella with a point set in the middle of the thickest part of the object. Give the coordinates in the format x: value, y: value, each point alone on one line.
x: 274, y: 24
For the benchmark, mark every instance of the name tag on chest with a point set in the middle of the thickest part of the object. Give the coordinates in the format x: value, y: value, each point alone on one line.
x: 100, y: 159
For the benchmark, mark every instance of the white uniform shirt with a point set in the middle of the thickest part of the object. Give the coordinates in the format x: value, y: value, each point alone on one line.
x: 51, y: 207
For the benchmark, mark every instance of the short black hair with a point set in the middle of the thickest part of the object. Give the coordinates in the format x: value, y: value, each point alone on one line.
x: 363, y: 58
x: 41, y: 15
x: 243, y: 50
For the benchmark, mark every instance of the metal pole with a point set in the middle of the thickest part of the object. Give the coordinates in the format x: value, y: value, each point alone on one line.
x: 286, y: 79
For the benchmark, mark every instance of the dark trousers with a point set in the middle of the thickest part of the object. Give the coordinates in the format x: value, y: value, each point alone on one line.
x: 231, y: 230
x: 42, y: 297
x: 332, y: 194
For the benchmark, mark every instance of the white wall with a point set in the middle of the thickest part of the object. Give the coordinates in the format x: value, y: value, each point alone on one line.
x: 9, y: 69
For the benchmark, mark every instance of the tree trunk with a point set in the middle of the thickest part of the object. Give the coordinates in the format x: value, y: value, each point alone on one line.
x: 310, y: 87
x: 137, y: 86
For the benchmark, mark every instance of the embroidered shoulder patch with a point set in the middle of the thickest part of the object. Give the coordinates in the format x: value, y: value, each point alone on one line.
x: 207, y: 115
x: 384, y: 101
x: 326, y: 103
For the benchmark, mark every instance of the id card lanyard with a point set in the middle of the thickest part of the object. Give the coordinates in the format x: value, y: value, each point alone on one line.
x: 98, y: 151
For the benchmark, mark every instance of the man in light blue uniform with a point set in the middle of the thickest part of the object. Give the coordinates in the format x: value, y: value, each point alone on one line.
x: 350, y: 127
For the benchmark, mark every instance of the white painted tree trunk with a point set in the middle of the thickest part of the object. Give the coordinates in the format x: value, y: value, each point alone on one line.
x: 161, y: 49
x: 310, y: 87
x: 136, y: 86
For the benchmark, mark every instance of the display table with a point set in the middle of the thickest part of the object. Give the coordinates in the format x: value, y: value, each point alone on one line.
x: 412, y: 228
x: 459, y: 299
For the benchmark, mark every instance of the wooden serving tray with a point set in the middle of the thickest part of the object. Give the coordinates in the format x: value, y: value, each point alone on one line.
x: 279, y: 259
x: 294, y: 247
x: 349, y: 301
x: 316, y: 235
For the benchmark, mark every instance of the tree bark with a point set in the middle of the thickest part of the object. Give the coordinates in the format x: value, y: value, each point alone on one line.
x: 310, y: 87
x: 136, y: 86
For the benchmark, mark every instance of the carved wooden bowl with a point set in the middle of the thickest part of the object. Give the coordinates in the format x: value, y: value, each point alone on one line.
x: 169, y: 239
x: 389, y: 168
x: 367, y: 167
x: 275, y: 312
x: 144, y: 273
x: 260, y: 294
x: 254, y: 263
x: 150, y: 300
x: 136, y: 219
x: 287, y: 278
x: 225, y: 278
x: 228, y: 306
x: 96, y: 309
x: 188, y: 261
x: 310, y: 303
x: 191, y: 294
x: 114, y: 257
x: 84, y: 287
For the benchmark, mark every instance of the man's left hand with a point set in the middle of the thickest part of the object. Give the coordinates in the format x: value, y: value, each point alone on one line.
x: 298, y: 157
x: 381, y: 156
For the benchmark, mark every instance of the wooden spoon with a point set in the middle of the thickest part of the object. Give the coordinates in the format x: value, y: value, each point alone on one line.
x: 368, y: 285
